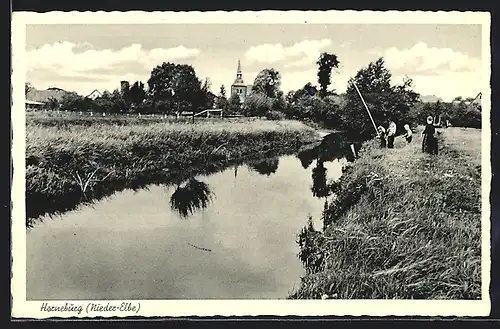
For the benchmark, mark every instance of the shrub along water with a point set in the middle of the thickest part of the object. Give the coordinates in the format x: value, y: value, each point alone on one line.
x: 70, y: 164
x: 401, y: 224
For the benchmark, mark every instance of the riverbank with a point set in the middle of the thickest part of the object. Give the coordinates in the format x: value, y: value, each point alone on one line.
x: 404, y: 225
x: 71, y: 164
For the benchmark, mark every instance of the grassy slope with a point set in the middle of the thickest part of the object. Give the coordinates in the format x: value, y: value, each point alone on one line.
x: 405, y: 225
x: 112, y: 157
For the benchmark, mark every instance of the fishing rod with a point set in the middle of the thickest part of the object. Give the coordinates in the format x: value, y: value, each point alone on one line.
x: 366, y: 107
x: 470, y: 104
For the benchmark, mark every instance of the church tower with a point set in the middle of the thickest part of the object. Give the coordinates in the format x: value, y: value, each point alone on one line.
x: 238, y: 87
x: 239, y: 74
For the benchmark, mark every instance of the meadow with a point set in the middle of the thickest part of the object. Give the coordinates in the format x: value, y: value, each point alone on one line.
x: 70, y: 161
x: 403, y: 224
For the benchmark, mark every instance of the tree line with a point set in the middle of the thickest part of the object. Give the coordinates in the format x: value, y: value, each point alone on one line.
x: 174, y: 88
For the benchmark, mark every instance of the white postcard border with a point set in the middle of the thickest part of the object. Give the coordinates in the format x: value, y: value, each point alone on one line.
x: 34, y: 309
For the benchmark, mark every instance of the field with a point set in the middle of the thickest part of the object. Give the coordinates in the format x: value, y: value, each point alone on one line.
x: 404, y: 225
x: 71, y: 160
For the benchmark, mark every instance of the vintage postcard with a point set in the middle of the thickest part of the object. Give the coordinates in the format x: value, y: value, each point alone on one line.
x: 250, y: 163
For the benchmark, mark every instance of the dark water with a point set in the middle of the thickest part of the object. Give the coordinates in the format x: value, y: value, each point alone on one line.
x: 227, y: 235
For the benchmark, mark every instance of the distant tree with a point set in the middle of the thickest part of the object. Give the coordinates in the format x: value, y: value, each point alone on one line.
x: 206, y: 96
x: 267, y: 82
x: 27, y: 88
x: 103, y: 103
x: 234, y: 104
x: 207, y: 84
x: 307, y: 91
x: 460, y: 113
x: 257, y: 104
x: 326, y: 63
x: 119, y: 103
x: 309, y: 108
x: 279, y: 103
x: 74, y: 102
x: 290, y: 97
x: 384, y: 100
x: 52, y: 104
x: 222, y: 91
x: 136, y: 94
x: 221, y: 100
x: 175, y: 87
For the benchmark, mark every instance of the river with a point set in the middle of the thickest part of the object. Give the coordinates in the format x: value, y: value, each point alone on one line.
x: 226, y: 235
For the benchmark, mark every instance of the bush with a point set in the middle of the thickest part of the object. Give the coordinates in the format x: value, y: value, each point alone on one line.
x: 326, y: 111
x: 257, y: 104
x: 275, y: 115
x: 459, y: 114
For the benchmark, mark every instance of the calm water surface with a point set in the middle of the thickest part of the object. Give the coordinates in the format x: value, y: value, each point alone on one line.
x: 239, y: 241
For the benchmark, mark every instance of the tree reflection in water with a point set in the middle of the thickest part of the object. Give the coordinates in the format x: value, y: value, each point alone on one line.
x: 332, y: 147
x: 306, y: 158
x: 191, y: 196
x: 319, y: 188
x: 265, y: 167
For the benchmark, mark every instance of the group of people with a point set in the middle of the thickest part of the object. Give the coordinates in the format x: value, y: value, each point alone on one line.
x: 387, y: 136
x: 429, y: 139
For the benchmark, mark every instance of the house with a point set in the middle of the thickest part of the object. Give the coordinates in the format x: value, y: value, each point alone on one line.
x: 32, y: 105
x: 95, y: 94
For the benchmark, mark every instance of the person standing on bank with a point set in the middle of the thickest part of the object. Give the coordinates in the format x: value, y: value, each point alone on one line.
x: 408, y: 134
x: 428, y: 136
x: 391, y: 134
x: 381, y: 134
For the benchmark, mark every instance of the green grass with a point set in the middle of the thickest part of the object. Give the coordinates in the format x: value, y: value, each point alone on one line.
x: 403, y: 225
x: 67, y: 164
x: 62, y: 118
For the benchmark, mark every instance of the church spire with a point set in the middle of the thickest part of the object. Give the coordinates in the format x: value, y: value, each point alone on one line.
x: 239, y: 74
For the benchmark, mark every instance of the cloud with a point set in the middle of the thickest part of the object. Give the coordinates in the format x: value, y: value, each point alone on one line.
x: 300, y: 63
x: 70, y: 59
x: 421, y: 59
x: 448, y: 86
x: 308, y: 50
x: 266, y: 53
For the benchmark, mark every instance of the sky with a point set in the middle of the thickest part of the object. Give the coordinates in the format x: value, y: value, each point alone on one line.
x: 442, y: 60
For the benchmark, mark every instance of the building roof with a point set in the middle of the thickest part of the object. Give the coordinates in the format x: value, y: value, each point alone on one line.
x: 45, y: 95
x: 34, y: 103
x: 94, y: 94
x: 238, y: 83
